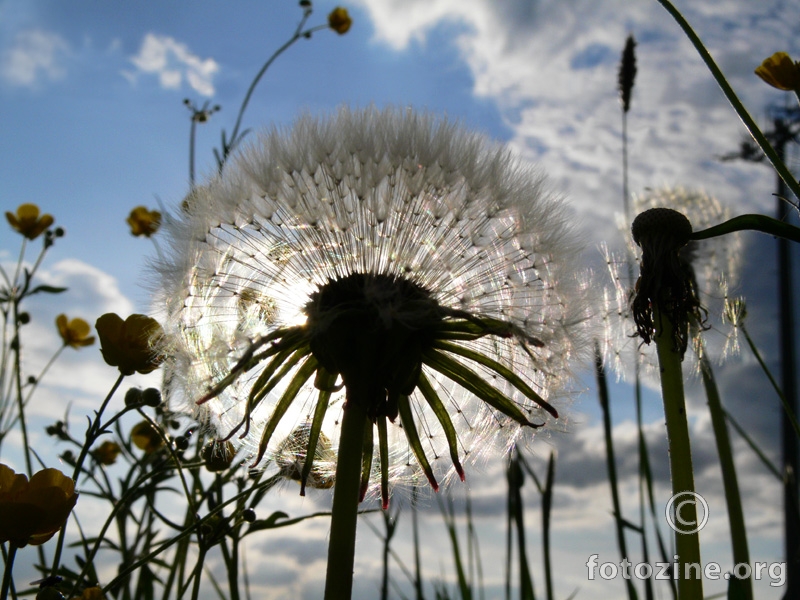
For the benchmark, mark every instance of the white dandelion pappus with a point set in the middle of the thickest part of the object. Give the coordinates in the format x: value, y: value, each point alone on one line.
x: 382, y: 257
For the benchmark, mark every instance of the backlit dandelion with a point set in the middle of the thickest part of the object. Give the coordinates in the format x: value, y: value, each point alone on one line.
x: 381, y: 259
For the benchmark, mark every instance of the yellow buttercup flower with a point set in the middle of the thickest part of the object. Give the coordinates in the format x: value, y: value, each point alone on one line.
x: 75, y: 332
x: 91, y: 593
x: 28, y: 222
x: 106, y: 453
x: 31, y: 512
x: 144, y: 222
x: 339, y: 20
x: 129, y: 344
x: 780, y: 71
x: 145, y: 436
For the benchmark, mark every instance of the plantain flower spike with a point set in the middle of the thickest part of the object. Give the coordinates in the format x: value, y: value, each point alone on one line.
x: 627, y: 73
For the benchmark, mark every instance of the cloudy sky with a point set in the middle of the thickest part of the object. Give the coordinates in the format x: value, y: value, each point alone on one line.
x: 94, y: 124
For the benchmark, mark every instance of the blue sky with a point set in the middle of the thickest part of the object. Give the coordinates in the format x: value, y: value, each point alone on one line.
x: 94, y: 126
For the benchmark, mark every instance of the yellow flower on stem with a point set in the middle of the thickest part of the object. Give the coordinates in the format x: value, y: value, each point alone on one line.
x: 144, y: 222
x: 31, y: 512
x: 106, y: 453
x: 780, y: 71
x: 75, y: 332
x: 129, y: 344
x: 28, y: 222
x: 339, y: 20
x: 146, y: 436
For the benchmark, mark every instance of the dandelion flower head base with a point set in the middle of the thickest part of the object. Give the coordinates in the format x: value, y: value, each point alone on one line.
x: 665, y: 282
x: 385, y: 258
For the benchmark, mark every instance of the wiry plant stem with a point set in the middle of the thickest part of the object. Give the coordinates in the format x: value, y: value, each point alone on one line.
x: 344, y: 515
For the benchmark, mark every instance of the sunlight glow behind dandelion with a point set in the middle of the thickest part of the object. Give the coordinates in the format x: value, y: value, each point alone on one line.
x: 387, y: 258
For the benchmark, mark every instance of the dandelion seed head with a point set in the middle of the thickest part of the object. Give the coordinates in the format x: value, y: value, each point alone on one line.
x: 714, y: 263
x: 367, y: 221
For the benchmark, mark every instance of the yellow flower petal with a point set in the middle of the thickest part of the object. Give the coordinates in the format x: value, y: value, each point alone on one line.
x: 31, y: 512
x: 74, y: 333
x: 28, y: 222
x: 129, y: 344
x: 143, y: 221
x: 780, y: 71
x: 339, y: 20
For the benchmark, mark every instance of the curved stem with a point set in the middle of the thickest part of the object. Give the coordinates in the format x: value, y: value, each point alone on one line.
x: 344, y: 515
x: 91, y: 434
x: 761, y: 223
x: 687, y: 545
x: 297, y: 35
x: 748, y: 121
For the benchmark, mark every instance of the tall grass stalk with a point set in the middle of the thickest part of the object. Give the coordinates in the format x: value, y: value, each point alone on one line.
x: 733, y: 499
x: 602, y: 392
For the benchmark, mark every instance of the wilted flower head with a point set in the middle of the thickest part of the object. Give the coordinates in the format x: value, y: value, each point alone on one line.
x: 710, y: 265
x: 28, y: 222
x: 385, y: 258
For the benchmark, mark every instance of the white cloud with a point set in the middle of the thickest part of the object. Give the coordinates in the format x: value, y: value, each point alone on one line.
x: 172, y: 61
x: 80, y: 377
x: 551, y: 69
x: 35, y: 55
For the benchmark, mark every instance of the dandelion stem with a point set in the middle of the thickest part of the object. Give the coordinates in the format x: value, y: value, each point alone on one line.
x: 687, y: 545
x: 344, y: 515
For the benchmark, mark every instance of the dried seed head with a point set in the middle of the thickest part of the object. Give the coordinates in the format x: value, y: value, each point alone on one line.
x: 665, y: 281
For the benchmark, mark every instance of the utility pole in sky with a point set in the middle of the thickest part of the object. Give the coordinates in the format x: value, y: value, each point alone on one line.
x: 786, y: 127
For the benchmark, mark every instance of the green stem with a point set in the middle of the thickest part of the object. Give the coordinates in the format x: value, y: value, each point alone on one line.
x: 344, y: 515
x: 12, y: 552
x: 91, y: 435
x: 198, y: 572
x: 760, y: 223
x: 733, y: 499
x: 687, y: 545
x: 748, y: 121
x: 18, y: 383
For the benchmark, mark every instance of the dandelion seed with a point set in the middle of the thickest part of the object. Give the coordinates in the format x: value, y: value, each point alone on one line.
x: 383, y: 259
